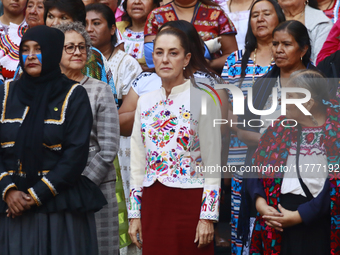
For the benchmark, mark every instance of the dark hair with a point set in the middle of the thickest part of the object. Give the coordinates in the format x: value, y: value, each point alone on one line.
x: 107, y: 14
x: 184, y: 42
x: 300, y: 34
x: 313, y: 81
x: 126, y: 16
x: 251, y: 41
x: 74, y: 8
x: 313, y: 4
x: 196, y: 45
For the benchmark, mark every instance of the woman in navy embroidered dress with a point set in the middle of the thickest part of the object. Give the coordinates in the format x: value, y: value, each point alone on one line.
x: 45, y: 127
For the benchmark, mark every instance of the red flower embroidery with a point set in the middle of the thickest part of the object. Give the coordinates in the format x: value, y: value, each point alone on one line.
x: 135, y: 50
x: 310, y: 137
x: 129, y: 35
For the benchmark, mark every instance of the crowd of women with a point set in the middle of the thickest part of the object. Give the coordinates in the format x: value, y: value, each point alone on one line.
x: 108, y: 126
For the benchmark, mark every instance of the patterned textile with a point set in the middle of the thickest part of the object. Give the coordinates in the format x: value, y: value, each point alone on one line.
x: 232, y: 74
x: 96, y: 67
x: 273, y: 150
x: 124, y: 238
x: 333, y: 12
x: 170, y: 144
x: 9, y: 49
x: 208, y: 20
x: 133, y: 41
x: 312, y: 152
x: 122, y: 69
x: 236, y: 185
x: 104, y: 143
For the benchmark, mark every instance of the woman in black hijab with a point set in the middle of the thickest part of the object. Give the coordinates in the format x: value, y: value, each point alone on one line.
x: 47, y: 206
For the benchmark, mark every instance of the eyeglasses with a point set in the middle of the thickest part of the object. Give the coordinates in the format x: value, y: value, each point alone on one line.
x: 71, y: 48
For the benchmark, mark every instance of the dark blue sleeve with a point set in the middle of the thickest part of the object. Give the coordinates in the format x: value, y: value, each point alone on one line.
x: 317, y: 207
x: 255, y: 188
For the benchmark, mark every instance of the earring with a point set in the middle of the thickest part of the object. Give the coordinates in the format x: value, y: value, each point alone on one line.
x: 307, y: 2
x: 183, y: 68
x: 314, y: 120
x: 301, y: 58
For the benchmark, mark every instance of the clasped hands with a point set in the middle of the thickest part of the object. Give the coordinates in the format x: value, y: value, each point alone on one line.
x: 18, y: 202
x: 277, y: 219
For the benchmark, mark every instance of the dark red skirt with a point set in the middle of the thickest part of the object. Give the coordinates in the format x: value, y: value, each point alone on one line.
x: 169, y: 220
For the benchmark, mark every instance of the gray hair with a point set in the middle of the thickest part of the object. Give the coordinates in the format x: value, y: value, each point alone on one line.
x: 80, y: 29
x: 313, y: 81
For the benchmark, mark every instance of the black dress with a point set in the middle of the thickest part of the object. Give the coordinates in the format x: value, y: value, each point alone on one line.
x: 63, y: 220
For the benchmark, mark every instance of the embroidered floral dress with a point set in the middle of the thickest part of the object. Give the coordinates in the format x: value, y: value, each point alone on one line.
x: 133, y: 41
x: 276, y: 146
x: 10, y: 38
x: 172, y: 141
x: 208, y: 20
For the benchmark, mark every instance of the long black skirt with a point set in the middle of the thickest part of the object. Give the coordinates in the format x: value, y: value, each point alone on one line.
x: 61, y: 233
x: 302, y: 239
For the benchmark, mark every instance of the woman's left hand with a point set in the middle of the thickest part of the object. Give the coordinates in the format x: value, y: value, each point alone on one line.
x: 289, y: 218
x: 29, y: 203
x: 204, y: 233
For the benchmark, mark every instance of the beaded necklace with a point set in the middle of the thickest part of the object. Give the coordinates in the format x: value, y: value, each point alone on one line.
x: 255, y: 65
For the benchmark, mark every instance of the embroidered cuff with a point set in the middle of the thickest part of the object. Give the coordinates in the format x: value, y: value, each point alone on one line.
x: 2, y: 175
x: 9, y: 186
x: 135, y: 203
x: 210, y: 203
x: 34, y: 196
x: 50, y: 186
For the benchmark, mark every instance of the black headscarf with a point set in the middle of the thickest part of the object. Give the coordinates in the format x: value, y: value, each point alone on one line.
x: 36, y: 92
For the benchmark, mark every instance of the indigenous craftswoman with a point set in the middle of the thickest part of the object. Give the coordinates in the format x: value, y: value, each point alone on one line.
x: 35, y: 13
x: 132, y: 30
x: 291, y: 52
x: 298, y: 205
x: 104, y: 139
x: 172, y: 204
x: 12, y: 27
x: 208, y: 18
x: 123, y: 68
x: 242, y: 69
x: 316, y: 22
x: 66, y: 11
x: 45, y: 129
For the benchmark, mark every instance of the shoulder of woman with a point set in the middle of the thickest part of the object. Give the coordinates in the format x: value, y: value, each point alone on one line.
x: 163, y: 8
x: 315, y: 17
x: 121, y: 26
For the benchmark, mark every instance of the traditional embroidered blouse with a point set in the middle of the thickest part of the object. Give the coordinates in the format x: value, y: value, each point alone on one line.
x: 122, y: 69
x: 208, y: 20
x: 333, y: 12
x: 312, y: 159
x: 10, y: 39
x: 133, y: 41
x: 172, y: 140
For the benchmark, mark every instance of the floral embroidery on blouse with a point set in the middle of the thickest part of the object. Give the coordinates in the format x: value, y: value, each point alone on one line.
x: 135, y: 202
x: 133, y: 43
x: 210, y: 201
x: 170, y: 16
x: 168, y: 142
x: 208, y: 20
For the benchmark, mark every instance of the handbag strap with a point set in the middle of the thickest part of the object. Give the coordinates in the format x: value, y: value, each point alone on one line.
x: 303, y: 185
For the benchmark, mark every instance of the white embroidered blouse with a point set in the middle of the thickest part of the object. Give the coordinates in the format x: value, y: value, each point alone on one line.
x: 174, y: 143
